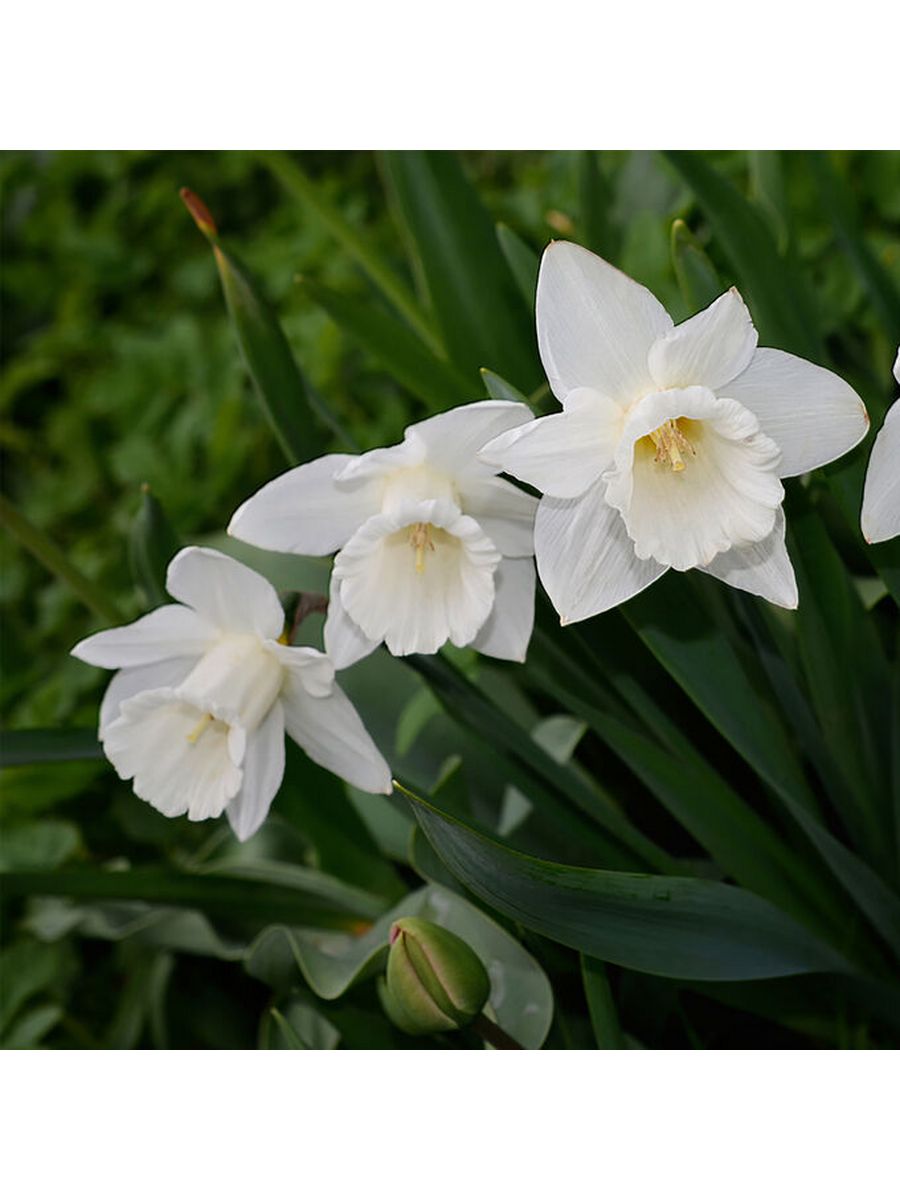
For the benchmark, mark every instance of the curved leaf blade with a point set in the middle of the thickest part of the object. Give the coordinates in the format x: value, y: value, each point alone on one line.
x: 677, y: 927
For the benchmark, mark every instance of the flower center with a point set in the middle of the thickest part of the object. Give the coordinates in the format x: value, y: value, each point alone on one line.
x: 672, y: 443
x: 420, y: 539
x: 200, y: 728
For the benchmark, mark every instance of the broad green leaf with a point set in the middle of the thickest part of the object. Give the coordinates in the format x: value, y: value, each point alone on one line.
x: 478, y: 306
x: 697, y: 277
x: 394, y: 345
x: 678, y: 927
x: 304, y: 879
x: 522, y: 260
x: 19, y: 747
x: 245, y: 900
x: 57, y: 562
x: 601, y: 1005
x: 781, y: 305
x: 280, y: 387
x: 520, y: 998
x: 152, y: 545
x: 356, y: 244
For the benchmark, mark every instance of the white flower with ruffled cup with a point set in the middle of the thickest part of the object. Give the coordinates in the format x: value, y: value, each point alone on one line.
x: 672, y: 442
x: 880, y: 518
x: 205, y: 690
x: 433, y: 546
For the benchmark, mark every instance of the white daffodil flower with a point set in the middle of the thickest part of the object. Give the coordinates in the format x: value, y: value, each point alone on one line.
x: 433, y: 546
x: 197, y: 712
x: 672, y: 442
x: 881, y: 496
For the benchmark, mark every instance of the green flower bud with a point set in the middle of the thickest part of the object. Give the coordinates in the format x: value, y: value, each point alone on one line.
x: 435, y: 982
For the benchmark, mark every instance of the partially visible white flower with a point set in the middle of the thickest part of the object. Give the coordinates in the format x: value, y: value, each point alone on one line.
x: 197, y: 712
x: 672, y: 442
x: 880, y: 518
x: 433, y: 546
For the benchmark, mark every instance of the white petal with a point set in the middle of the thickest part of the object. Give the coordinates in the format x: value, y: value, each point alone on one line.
x: 153, y: 742
x: 452, y: 439
x: 710, y: 348
x: 374, y: 465
x: 306, y: 510
x: 263, y: 772
x: 881, y: 497
x: 585, y: 557
x: 727, y: 494
x: 172, y: 631
x: 897, y: 366
x: 229, y: 595
x: 330, y: 731
x: 811, y: 414
x: 315, y: 669
x: 595, y: 325
x: 415, y: 611
x: 507, y: 631
x: 345, y: 642
x: 763, y: 569
x: 563, y: 454
x: 132, y: 680
x: 504, y: 512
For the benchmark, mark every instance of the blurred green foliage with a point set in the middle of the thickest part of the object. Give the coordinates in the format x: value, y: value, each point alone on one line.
x: 119, y: 368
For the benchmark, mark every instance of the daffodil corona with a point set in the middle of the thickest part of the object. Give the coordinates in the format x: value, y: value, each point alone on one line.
x: 672, y: 442
x: 197, y: 712
x: 433, y: 546
x: 881, y: 497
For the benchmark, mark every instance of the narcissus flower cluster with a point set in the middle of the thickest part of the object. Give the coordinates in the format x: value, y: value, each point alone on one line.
x: 668, y: 454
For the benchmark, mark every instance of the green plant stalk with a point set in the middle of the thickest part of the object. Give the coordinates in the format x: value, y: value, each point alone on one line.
x: 295, y: 181
x: 48, y: 553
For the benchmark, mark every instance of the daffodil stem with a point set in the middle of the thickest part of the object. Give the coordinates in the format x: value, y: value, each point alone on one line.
x: 53, y: 558
x: 485, y: 1028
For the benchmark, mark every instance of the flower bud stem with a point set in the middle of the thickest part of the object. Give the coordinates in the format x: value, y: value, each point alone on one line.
x: 485, y: 1028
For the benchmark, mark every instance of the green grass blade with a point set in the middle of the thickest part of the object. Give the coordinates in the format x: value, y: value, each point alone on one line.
x: 152, y: 544
x: 522, y: 260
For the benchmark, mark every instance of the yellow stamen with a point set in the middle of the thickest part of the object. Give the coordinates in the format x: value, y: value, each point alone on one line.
x: 200, y: 728
x: 671, y: 445
x: 420, y: 540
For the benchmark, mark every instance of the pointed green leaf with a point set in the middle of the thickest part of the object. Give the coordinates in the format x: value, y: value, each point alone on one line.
x: 280, y: 388
x: 678, y: 927
x: 24, y: 746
